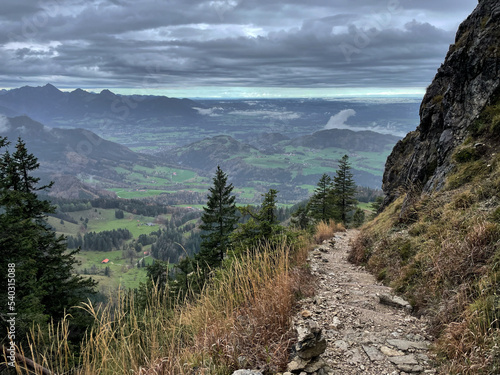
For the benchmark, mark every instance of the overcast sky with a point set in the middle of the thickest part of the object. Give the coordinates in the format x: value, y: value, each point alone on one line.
x: 197, y: 48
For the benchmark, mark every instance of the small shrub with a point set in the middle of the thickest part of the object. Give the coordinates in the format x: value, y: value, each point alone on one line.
x: 382, y: 274
x: 465, y: 155
x: 406, y: 250
x: 417, y: 229
x: 495, y: 215
x: 438, y: 99
x: 361, y: 249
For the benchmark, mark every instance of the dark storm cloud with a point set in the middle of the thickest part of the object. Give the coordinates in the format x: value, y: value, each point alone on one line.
x: 162, y: 43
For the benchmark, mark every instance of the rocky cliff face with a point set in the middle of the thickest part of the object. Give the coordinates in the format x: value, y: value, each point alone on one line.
x: 467, y: 82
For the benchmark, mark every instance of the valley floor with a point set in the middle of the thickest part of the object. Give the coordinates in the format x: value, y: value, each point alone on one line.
x: 364, y: 336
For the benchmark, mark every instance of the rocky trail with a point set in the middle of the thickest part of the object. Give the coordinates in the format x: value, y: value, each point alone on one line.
x: 354, y: 324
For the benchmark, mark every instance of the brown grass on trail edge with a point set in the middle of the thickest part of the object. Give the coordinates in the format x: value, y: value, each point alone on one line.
x: 359, y: 249
x: 446, y: 263
x: 242, y: 319
x: 324, y: 230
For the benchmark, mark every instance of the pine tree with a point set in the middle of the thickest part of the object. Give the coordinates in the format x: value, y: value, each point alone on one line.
x: 322, y: 203
x: 344, y: 189
x: 218, y: 221
x: 44, y: 270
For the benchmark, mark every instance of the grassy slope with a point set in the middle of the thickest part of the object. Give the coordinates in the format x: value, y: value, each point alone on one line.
x: 104, y: 219
x: 443, y: 254
x: 123, y: 273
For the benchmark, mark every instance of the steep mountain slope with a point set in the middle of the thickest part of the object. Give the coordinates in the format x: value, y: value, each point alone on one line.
x: 70, y: 151
x: 465, y: 84
x: 438, y: 239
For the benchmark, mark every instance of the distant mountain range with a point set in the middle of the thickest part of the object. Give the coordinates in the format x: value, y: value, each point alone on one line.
x: 367, y: 141
x: 53, y: 107
x: 244, y: 162
x: 207, y: 153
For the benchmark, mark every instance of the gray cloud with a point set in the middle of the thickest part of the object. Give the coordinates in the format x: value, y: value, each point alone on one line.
x: 278, y: 43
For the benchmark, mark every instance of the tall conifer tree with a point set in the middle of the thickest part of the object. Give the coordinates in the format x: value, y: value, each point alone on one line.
x: 344, y: 189
x: 218, y: 221
x: 322, y: 203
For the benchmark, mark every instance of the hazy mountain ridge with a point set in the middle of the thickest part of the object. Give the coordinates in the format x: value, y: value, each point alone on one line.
x: 52, y: 106
x: 256, y: 142
x: 69, y: 151
x: 350, y: 140
x: 245, y: 162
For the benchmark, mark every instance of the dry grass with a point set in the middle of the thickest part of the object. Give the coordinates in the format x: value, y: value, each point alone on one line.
x: 241, y: 319
x: 325, y: 231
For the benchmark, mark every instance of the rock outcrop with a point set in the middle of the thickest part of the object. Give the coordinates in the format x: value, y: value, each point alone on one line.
x: 464, y: 85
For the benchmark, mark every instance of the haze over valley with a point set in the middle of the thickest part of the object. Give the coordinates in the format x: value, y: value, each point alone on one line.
x: 174, y: 145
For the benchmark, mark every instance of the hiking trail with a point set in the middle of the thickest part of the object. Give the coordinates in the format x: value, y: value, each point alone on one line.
x: 367, y: 329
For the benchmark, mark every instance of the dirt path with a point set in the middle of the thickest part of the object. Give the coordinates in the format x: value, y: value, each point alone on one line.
x: 363, y: 335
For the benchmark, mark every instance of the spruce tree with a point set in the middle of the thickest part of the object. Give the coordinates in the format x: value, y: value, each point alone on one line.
x: 344, y: 189
x: 45, y: 283
x: 267, y: 214
x: 358, y: 218
x: 322, y: 203
x: 218, y: 221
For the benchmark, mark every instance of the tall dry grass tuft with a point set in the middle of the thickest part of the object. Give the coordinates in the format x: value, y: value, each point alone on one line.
x: 243, y: 319
x: 324, y: 230
x: 360, y: 249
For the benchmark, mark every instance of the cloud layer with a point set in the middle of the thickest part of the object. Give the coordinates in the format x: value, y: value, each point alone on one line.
x: 151, y: 44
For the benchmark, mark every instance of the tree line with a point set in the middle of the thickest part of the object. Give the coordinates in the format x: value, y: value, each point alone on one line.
x: 333, y: 198
x: 99, y: 241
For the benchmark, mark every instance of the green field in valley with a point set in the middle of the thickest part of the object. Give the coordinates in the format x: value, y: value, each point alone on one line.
x: 123, y: 273
x: 100, y: 219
